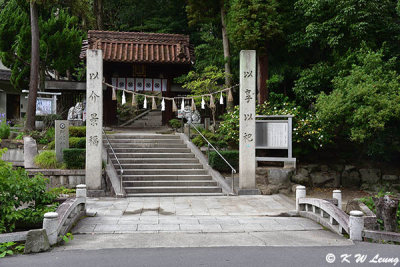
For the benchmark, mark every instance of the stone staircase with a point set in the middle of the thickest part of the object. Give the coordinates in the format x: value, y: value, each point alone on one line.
x: 151, y: 119
x: 160, y: 165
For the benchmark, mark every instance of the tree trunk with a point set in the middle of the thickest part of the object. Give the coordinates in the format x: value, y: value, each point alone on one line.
x: 227, y: 54
x: 386, y: 209
x: 262, y: 72
x: 98, y: 12
x: 34, y: 72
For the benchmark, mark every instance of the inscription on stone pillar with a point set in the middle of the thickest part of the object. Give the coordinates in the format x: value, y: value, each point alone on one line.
x: 61, y: 138
x: 94, y: 123
x: 247, y: 125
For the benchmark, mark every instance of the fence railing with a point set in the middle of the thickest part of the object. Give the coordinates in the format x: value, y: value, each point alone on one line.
x: 219, y: 154
x: 121, y: 174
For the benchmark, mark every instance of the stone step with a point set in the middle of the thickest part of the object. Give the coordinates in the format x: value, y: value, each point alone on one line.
x: 145, y: 145
x: 140, y: 141
x: 173, y: 189
x: 146, y: 123
x: 164, y: 177
x: 155, y: 160
x: 141, y: 136
x: 156, y: 166
x: 162, y: 172
x: 151, y: 150
x: 173, y: 194
x: 152, y: 155
x: 162, y: 183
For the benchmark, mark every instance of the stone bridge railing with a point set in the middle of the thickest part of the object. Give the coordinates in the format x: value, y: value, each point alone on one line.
x: 329, y: 213
x: 58, y: 223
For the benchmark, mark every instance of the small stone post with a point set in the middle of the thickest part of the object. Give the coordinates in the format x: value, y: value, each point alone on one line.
x: 300, y: 193
x: 61, y: 138
x: 356, y: 225
x: 337, y: 194
x: 81, y: 191
x: 50, y: 224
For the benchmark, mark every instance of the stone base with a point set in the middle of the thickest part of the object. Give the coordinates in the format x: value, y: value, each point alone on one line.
x: 96, y: 193
x: 249, y: 192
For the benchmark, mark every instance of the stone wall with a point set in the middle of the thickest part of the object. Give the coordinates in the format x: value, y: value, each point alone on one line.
x: 274, y: 180
x: 347, y: 176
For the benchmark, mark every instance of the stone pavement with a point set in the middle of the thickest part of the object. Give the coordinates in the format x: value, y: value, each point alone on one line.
x: 198, y: 222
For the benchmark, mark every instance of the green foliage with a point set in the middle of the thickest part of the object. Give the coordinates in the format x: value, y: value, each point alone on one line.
x: 175, y: 123
x: 62, y: 190
x: 215, y: 139
x: 307, y: 127
x: 252, y: 23
x: 370, y: 203
x: 47, y: 160
x: 60, y: 40
x: 49, y: 120
x: 77, y: 142
x: 68, y: 237
x: 74, y: 158
x: 46, y: 136
x: 219, y: 164
x: 364, y: 106
x: 18, y: 188
x: 9, y: 248
x: 74, y: 142
x: 77, y: 131
x: 4, y: 127
x: 20, y: 136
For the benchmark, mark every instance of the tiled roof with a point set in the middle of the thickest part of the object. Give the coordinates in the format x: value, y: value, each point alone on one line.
x: 5, y: 75
x: 139, y: 47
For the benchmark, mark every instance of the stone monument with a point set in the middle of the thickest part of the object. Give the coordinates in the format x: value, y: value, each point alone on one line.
x: 94, y: 119
x: 61, y: 138
x: 247, y: 124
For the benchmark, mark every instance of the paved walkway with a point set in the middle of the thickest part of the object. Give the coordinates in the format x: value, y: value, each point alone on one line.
x: 197, y: 222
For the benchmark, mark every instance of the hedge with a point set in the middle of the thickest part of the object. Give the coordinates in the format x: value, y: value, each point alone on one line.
x: 74, y: 142
x: 219, y: 164
x: 77, y: 131
x: 74, y: 158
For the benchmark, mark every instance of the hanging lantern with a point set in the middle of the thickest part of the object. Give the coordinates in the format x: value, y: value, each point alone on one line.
x: 183, y: 105
x: 212, y: 104
x: 203, y: 103
x: 163, y: 105
x: 174, y: 107
x: 230, y: 96
x: 114, y: 94
x: 153, y: 103
x: 193, y: 107
x: 221, y: 99
x: 145, y: 103
x: 123, y: 98
x: 134, y: 103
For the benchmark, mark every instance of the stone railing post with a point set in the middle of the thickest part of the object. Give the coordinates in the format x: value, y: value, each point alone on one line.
x: 300, y: 193
x: 337, y: 194
x: 81, y: 192
x: 356, y: 225
x: 50, y: 224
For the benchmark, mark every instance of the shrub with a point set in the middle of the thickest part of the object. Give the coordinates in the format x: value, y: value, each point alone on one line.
x: 175, y: 123
x: 18, y: 189
x: 47, y: 160
x: 47, y: 136
x: 219, y: 164
x: 215, y: 139
x: 77, y: 142
x: 51, y: 145
x: 74, y: 158
x: 77, y: 131
x: 4, y: 127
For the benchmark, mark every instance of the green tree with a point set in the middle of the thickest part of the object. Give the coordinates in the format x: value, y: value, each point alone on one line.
x: 364, y: 106
x: 253, y: 24
x: 205, y: 82
x: 57, y: 48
